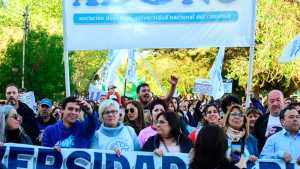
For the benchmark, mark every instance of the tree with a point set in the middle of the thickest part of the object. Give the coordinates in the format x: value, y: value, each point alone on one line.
x: 43, y: 65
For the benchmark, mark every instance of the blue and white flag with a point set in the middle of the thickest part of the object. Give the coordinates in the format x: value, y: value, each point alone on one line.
x: 130, y: 73
x: 215, y: 75
x: 291, y: 51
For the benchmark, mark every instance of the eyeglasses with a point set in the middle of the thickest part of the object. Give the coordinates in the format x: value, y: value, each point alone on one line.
x: 131, y: 110
x: 235, y: 114
x: 162, y: 122
x: 73, y: 109
x: 113, y: 112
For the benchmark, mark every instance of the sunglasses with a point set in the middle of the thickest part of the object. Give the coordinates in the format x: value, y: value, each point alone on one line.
x: 131, y: 110
x: 14, y: 116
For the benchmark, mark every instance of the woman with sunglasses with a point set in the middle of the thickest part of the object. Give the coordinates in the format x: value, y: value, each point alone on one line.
x: 211, y: 116
x: 113, y: 134
x: 242, y: 147
x: 134, y: 116
x: 10, y: 126
x: 169, y: 138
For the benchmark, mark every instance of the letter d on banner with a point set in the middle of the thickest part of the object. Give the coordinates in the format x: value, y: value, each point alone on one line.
x: 168, y: 161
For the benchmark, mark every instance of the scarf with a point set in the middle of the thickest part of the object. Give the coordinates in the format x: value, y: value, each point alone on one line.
x: 235, y: 135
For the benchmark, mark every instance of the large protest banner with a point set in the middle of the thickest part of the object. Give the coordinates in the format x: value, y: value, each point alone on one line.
x: 15, y: 156
x: 128, y: 24
x: 34, y: 157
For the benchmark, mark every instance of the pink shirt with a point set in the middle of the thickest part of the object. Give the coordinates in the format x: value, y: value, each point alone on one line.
x: 145, y: 134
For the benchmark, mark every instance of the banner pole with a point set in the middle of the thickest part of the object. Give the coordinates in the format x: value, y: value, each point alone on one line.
x: 251, y: 57
x: 66, y: 52
x: 67, y: 73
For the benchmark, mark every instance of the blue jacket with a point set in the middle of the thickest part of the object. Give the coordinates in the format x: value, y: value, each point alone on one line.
x: 77, y: 136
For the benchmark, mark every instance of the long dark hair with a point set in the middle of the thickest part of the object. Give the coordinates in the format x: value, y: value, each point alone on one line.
x: 210, y: 148
x: 174, y: 123
x: 139, y: 122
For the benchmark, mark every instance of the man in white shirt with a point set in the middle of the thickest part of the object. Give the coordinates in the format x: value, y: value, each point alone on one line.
x: 269, y: 124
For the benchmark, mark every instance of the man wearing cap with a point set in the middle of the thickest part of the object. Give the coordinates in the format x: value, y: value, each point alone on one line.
x: 44, y: 116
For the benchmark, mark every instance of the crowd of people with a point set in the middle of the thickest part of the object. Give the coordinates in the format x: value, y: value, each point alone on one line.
x: 217, y: 134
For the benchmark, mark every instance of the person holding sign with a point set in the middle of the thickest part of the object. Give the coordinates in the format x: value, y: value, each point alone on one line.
x: 285, y: 144
x: 70, y: 132
x: 169, y: 138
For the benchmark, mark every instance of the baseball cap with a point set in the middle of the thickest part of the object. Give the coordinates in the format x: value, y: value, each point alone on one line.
x: 46, y: 102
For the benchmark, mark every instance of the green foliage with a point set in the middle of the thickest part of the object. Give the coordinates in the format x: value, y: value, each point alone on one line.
x: 43, y: 66
x: 277, y: 23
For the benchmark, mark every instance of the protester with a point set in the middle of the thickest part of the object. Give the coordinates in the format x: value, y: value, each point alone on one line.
x: 252, y: 115
x: 198, y: 116
x: 211, y: 116
x: 70, y: 132
x: 169, y: 138
x: 113, y: 94
x: 44, y: 116
x: 145, y: 96
x: 113, y: 134
x: 228, y: 101
x: 269, y: 123
x: 285, y: 144
x: 185, y: 114
x: 10, y: 126
x: 157, y: 106
x: 56, y: 113
x: 209, y: 150
x: 134, y: 116
x: 242, y: 147
x: 29, y: 122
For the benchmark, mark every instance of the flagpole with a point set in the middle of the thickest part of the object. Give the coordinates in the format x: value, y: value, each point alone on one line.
x: 125, y: 86
x: 251, y: 57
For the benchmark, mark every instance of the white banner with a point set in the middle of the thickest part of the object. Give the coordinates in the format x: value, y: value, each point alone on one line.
x: 29, y: 99
x: 129, y: 24
x: 36, y: 157
x: 204, y: 86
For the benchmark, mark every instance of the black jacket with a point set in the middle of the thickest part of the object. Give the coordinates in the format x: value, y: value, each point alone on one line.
x: 29, y: 123
x: 260, y: 129
x: 153, y: 142
x: 16, y: 136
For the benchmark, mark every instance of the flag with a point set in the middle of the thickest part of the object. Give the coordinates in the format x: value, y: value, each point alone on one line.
x: 215, y: 75
x: 291, y: 51
x: 130, y: 73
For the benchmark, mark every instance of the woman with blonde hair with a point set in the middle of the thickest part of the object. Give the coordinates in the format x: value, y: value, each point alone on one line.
x: 242, y: 147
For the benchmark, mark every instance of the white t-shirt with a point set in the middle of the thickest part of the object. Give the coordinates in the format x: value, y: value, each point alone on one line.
x: 273, y: 126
